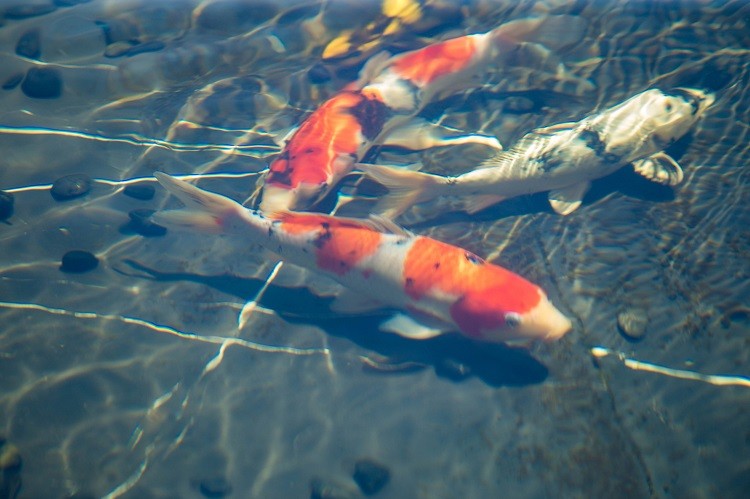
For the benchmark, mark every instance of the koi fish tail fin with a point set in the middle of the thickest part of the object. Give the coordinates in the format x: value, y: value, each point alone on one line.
x: 204, y: 211
x: 407, y: 188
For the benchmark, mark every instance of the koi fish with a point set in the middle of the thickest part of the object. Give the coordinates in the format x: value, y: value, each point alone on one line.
x: 380, y: 107
x: 438, y: 287
x: 563, y: 158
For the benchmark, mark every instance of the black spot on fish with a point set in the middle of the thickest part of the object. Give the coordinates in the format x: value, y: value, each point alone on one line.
x: 323, y: 237
x: 372, y: 115
x: 409, y: 282
x: 436, y: 265
x: 473, y: 258
x: 593, y: 141
x: 282, y: 176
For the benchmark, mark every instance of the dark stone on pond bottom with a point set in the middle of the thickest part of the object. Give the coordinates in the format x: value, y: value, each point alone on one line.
x: 13, y: 81
x: 28, y: 9
x: 140, y: 222
x: 42, y: 83
x: 6, y: 205
x: 71, y: 186
x: 371, y: 476
x: 143, y: 192
x: 78, y: 261
x: 318, y: 74
x: 29, y: 45
x: 215, y: 487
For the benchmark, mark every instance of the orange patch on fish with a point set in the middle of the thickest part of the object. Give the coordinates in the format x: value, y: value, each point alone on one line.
x: 483, y: 291
x: 330, y: 131
x: 430, y: 63
x: 339, y: 244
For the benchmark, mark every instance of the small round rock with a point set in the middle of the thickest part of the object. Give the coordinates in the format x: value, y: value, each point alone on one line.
x: 42, y: 83
x: 71, y: 186
x: 6, y: 205
x: 632, y: 323
x: 370, y: 476
x: 215, y: 487
x: 29, y: 45
x: 144, y: 192
x: 78, y: 261
x: 318, y: 74
x: 140, y: 222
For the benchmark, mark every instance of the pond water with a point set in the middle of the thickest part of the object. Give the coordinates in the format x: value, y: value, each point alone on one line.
x: 147, y: 374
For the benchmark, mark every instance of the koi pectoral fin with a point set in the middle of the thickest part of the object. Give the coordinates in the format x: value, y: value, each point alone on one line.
x: 567, y: 200
x: 418, y: 134
x: 410, y: 327
x: 660, y: 168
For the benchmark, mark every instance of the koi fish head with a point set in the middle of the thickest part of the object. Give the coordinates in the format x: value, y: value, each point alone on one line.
x: 488, y: 302
x: 653, y: 120
x: 526, y: 315
x: 671, y: 115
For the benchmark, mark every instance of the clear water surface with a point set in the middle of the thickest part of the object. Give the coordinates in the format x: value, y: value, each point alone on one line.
x: 136, y: 380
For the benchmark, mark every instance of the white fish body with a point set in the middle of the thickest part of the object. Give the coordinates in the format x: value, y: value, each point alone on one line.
x: 563, y: 158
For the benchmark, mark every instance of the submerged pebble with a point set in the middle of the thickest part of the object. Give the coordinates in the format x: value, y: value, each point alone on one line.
x: 318, y: 74
x: 632, y: 323
x: 42, y: 83
x: 29, y: 44
x: 144, y: 192
x: 6, y: 205
x: 71, y: 186
x: 215, y: 487
x: 78, y: 261
x: 371, y: 476
x: 13, y: 81
x: 140, y: 222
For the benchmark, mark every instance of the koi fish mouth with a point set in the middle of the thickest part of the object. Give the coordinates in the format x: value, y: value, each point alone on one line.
x: 547, y: 322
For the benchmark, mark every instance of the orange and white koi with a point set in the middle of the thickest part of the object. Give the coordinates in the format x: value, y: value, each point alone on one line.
x: 563, y: 158
x: 438, y: 287
x: 389, y: 93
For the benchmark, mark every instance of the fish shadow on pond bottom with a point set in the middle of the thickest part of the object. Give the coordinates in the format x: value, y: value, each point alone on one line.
x: 451, y: 356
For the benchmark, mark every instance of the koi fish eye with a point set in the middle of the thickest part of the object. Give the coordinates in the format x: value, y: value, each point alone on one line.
x: 473, y: 258
x: 513, y: 320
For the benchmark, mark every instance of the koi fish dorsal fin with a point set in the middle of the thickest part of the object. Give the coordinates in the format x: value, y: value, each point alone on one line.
x: 203, y: 211
x: 313, y: 220
x: 552, y: 129
x: 660, y: 168
x: 567, y: 200
x: 388, y: 226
